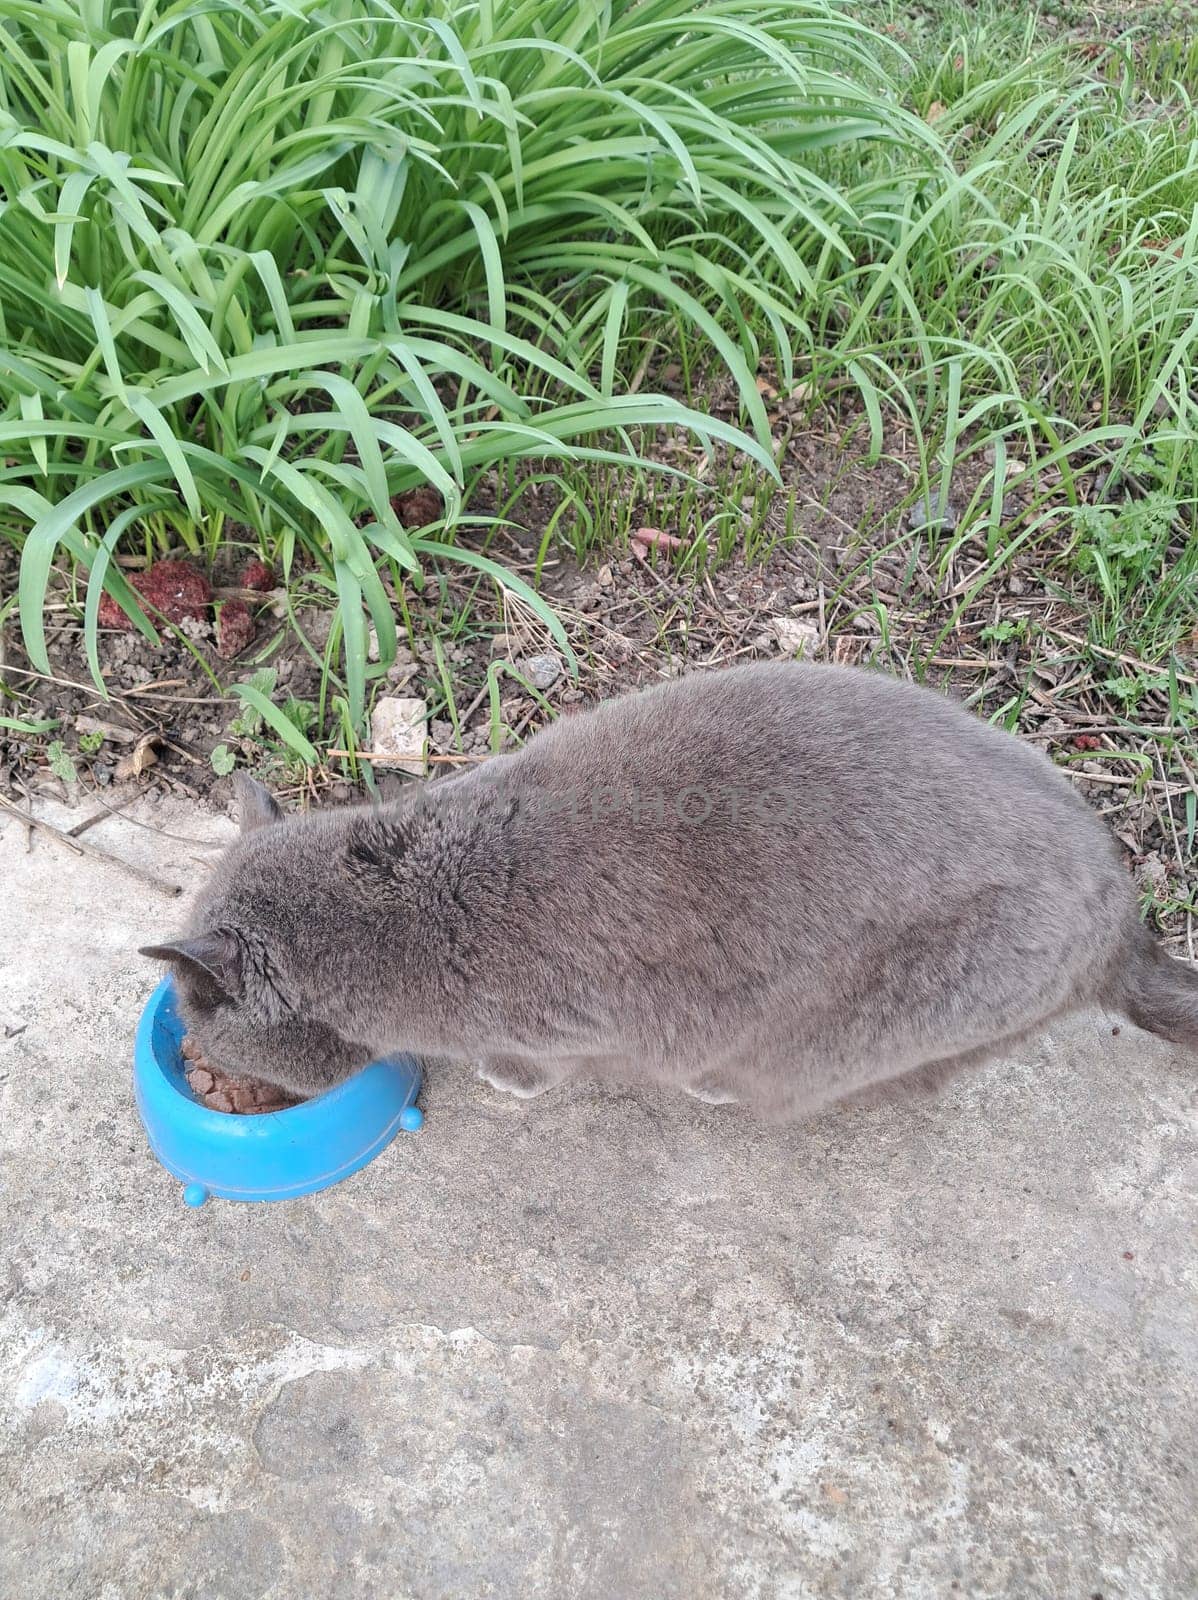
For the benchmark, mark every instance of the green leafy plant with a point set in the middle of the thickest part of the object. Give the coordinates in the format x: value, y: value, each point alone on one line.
x: 276, y: 265
x: 261, y: 685
x: 302, y: 714
x: 1129, y: 688
x: 62, y: 764
x: 222, y: 760
x: 278, y: 721
x: 1145, y: 567
x: 1004, y: 631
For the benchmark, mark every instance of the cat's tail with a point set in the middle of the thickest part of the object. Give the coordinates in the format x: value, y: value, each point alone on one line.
x: 1161, y: 994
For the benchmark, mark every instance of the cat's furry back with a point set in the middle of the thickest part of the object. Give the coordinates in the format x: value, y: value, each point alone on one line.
x: 776, y: 884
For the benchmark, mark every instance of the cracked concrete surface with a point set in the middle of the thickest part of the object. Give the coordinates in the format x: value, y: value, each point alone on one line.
x: 600, y: 1345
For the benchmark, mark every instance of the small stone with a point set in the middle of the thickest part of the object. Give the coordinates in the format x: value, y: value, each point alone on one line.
x: 316, y: 622
x: 796, y: 637
x: 398, y: 734
x: 1154, y: 869
x: 926, y: 518
x: 541, y: 671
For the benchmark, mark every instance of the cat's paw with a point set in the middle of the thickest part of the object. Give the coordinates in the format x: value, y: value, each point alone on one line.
x: 524, y: 1079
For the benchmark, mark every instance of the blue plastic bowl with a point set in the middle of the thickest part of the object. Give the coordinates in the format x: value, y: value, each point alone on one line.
x: 275, y: 1155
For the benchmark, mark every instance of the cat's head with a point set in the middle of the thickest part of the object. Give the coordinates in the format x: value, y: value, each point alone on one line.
x: 238, y: 1001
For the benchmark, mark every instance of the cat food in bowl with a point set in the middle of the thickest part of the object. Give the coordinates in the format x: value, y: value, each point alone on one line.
x: 243, y: 1097
x: 266, y: 1152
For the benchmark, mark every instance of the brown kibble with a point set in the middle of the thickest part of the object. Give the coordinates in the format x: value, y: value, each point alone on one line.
x: 245, y: 1097
x: 1129, y: 1255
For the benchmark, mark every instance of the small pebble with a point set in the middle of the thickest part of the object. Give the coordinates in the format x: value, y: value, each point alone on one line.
x: 541, y: 671
x: 926, y: 518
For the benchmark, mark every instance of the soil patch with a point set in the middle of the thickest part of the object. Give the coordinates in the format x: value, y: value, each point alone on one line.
x: 845, y: 569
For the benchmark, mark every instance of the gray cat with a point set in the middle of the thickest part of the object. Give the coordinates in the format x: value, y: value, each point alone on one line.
x: 780, y: 885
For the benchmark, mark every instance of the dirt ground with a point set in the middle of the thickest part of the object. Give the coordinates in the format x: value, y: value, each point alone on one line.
x: 602, y: 1345
x: 837, y: 571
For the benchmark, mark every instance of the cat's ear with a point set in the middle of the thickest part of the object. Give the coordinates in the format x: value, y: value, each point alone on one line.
x: 256, y: 806
x: 214, y: 957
